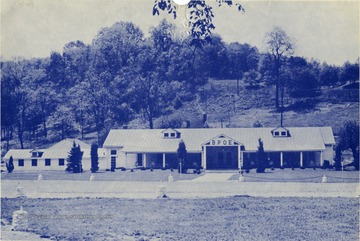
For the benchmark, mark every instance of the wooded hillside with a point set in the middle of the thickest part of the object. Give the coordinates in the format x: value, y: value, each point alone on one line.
x: 124, y: 78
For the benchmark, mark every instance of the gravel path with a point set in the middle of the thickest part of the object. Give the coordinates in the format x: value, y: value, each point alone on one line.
x: 213, y: 177
x: 182, y: 189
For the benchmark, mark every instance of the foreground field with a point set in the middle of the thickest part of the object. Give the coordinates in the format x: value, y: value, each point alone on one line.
x: 233, y: 218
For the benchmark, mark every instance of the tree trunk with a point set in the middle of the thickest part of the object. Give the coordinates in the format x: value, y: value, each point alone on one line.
x: 151, y: 124
x: 45, y: 129
x: 277, y: 95
x: 21, y: 140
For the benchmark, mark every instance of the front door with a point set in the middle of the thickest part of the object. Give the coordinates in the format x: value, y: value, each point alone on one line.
x: 224, y: 157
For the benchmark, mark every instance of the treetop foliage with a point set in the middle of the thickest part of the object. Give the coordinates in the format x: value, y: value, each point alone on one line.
x: 199, y: 17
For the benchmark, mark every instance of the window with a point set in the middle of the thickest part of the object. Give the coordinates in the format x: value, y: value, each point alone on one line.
x: 283, y: 133
x: 139, y: 159
x: 113, y: 164
x: 34, y: 154
x: 21, y: 162
x: 61, y: 162
x: 34, y: 162
x: 47, y: 162
x: 276, y: 133
x: 113, y: 152
x: 171, y: 133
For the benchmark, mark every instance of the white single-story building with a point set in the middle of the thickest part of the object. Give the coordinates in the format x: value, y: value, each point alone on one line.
x: 220, y: 148
x: 52, y: 158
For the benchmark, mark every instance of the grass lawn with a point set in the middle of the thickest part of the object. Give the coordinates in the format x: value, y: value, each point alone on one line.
x: 118, y: 175
x: 300, y: 175
x: 232, y: 218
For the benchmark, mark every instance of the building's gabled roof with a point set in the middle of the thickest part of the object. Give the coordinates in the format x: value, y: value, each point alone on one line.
x: 151, y: 140
x: 327, y: 135
x: 19, y: 153
x: 68, y: 144
x: 58, y: 150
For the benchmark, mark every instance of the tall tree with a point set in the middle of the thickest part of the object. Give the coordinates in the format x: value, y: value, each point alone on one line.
x: 10, y: 80
x: 279, y: 46
x: 115, y: 47
x: 149, y: 83
x: 260, y: 158
x: 74, y: 161
x: 350, y: 72
x: 56, y: 71
x: 329, y: 75
x: 300, y: 79
x: 181, y: 154
x: 76, y: 61
x: 10, y: 165
x: 349, y: 139
x: 94, y: 158
x: 199, y: 16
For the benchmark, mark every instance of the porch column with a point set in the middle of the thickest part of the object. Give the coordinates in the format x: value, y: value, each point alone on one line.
x: 239, y: 158
x: 321, y: 159
x: 281, y: 159
x: 126, y: 166
x: 164, y: 160
x: 144, y: 159
x: 204, y: 162
x: 301, y: 159
x: 242, y: 159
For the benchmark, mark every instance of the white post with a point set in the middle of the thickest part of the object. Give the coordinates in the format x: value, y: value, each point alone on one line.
x: 301, y: 159
x: 281, y: 159
x: 164, y: 160
x: 204, y: 166
x: 202, y: 156
x: 144, y: 160
x: 242, y: 160
x: 239, y: 158
x: 126, y: 160
x: 321, y: 159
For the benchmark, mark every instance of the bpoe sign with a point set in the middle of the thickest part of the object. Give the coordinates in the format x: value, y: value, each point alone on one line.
x: 223, y: 142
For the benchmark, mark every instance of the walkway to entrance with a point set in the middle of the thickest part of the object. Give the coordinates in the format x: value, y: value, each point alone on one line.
x: 213, y: 177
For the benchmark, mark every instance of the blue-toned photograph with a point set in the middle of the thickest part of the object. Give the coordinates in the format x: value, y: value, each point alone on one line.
x: 157, y: 120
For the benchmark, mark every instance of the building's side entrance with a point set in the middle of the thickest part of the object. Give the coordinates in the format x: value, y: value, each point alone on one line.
x: 222, y: 157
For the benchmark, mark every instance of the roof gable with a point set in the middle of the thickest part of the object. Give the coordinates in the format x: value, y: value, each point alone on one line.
x: 280, y: 132
x: 221, y: 140
x: 68, y: 144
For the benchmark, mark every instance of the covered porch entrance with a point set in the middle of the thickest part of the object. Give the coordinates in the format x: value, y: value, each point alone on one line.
x: 222, y: 153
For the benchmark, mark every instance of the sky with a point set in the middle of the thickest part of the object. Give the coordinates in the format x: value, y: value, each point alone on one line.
x: 327, y: 31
